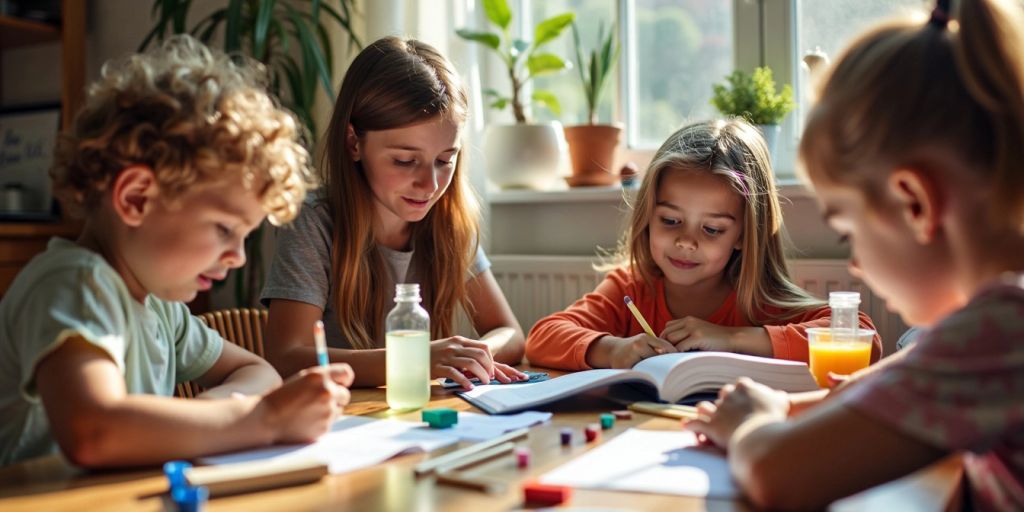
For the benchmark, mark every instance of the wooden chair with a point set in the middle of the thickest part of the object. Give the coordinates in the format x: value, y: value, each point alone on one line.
x: 243, y: 327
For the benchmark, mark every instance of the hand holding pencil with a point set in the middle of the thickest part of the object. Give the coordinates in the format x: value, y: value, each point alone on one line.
x: 614, y: 352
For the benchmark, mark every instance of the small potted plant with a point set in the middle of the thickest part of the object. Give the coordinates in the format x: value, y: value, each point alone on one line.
x: 754, y: 97
x: 592, y: 146
x: 524, y: 154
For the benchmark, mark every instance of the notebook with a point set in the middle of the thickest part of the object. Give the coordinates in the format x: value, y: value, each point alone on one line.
x: 668, y: 377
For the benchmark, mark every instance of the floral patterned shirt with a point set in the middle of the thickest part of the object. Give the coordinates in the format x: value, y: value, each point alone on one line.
x: 960, y: 387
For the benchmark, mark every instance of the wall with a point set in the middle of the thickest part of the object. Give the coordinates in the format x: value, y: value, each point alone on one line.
x: 115, y: 27
x: 579, y: 221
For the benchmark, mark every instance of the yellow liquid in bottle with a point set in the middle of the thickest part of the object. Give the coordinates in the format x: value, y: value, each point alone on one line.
x: 407, y: 358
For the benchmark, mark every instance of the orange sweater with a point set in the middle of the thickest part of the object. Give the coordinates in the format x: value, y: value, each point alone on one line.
x: 561, y: 340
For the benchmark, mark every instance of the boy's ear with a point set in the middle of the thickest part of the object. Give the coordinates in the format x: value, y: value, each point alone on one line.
x: 133, y: 194
x: 352, y: 143
x: 919, y: 202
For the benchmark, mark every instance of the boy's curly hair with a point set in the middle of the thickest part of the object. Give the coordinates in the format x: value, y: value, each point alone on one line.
x: 194, y: 116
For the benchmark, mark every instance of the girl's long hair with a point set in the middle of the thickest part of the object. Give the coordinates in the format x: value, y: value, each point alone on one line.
x: 913, y: 94
x: 735, y: 151
x: 396, y: 82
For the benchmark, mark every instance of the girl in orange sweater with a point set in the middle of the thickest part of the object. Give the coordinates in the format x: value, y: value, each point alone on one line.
x: 702, y: 261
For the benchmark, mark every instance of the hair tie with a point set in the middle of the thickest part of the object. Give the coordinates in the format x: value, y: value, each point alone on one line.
x: 940, y: 15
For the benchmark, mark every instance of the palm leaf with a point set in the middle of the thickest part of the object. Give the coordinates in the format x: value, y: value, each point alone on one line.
x: 261, y: 29
x: 233, y: 29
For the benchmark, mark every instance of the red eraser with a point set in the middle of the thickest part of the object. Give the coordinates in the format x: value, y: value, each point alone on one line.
x: 536, y: 492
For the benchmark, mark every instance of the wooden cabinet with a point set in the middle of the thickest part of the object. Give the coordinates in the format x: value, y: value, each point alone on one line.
x: 19, y: 242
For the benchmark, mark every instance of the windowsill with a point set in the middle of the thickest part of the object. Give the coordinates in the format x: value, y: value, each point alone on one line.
x: 612, y: 193
x: 791, y: 188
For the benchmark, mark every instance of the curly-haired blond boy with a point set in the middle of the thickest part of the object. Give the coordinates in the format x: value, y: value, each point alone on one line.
x: 177, y: 155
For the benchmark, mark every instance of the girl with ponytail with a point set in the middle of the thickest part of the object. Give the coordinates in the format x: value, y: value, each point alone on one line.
x: 916, y: 152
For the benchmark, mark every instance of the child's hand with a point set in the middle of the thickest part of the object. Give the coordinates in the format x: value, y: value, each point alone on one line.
x: 450, y: 357
x: 692, y: 333
x: 505, y: 373
x: 736, y: 404
x: 304, y: 407
x: 629, y: 351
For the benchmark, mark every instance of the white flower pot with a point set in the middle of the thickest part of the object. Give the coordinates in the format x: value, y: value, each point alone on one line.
x: 524, y: 155
x: 771, y: 138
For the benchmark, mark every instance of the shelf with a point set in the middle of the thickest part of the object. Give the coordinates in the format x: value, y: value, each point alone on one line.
x: 571, y: 195
x: 39, y: 229
x: 15, y: 32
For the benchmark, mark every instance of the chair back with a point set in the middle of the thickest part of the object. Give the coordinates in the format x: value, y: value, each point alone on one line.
x: 241, y: 326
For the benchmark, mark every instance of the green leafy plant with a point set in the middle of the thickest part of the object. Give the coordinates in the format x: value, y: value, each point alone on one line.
x: 753, y: 96
x: 290, y: 37
x: 523, y: 59
x: 595, y: 69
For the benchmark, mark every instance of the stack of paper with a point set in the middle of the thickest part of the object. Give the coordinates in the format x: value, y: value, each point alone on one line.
x: 356, y: 442
x: 662, y: 462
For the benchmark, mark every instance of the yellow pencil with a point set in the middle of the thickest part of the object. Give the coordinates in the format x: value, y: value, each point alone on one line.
x: 639, y: 317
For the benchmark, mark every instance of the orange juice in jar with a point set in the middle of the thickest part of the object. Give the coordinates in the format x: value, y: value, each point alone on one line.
x: 840, y: 351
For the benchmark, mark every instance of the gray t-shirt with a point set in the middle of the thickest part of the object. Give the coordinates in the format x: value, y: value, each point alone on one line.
x: 302, y: 267
x: 70, y: 291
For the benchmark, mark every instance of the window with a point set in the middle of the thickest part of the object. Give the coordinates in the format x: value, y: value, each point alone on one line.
x: 830, y: 25
x: 674, y: 50
x: 566, y: 85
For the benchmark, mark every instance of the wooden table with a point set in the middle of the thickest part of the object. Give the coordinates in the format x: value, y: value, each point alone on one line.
x: 50, y: 484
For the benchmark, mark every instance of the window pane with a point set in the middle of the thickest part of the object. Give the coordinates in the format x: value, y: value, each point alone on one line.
x: 831, y: 25
x: 566, y: 85
x: 683, y: 48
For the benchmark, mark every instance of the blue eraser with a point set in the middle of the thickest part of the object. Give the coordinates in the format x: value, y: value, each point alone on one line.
x: 175, y: 472
x: 440, y: 418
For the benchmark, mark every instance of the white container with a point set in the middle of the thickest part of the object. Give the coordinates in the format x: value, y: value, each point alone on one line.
x: 525, y: 155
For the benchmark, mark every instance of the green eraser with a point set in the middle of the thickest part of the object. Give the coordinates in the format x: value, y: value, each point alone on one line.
x: 440, y: 418
x: 607, y: 421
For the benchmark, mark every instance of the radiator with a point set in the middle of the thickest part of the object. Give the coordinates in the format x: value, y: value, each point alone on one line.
x: 537, y: 286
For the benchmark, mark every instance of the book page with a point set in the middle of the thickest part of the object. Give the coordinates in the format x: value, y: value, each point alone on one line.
x: 662, y: 462
x: 687, y: 373
x: 501, y: 399
x: 659, y: 367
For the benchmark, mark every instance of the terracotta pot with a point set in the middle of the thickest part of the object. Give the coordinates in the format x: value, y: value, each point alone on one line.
x: 592, y: 149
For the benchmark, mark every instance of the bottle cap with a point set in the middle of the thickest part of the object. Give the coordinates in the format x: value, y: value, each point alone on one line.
x: 843, y: 299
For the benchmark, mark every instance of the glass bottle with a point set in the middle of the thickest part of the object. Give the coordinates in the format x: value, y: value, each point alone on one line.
x: 407, y: 350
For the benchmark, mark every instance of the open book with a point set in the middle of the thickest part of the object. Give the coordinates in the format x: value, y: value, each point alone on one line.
x: 673, y: 377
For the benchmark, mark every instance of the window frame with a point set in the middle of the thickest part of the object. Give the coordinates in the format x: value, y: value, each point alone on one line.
x: 774, y: 40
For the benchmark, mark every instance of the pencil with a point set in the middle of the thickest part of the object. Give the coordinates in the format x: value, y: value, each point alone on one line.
x: 639, y: 317
x: 478, y: 457
x: 321, y: 343
x: 429, y: 466
x: 667, y: 410
x: 478, y: 484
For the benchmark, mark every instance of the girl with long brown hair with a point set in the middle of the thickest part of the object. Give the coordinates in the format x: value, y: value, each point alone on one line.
x: 395, y: 207
x: 703, y: 262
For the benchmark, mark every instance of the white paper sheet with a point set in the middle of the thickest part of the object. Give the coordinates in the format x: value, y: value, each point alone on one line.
x: 661, y: 462
x: 354, y: 442
x: 480, y: 427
